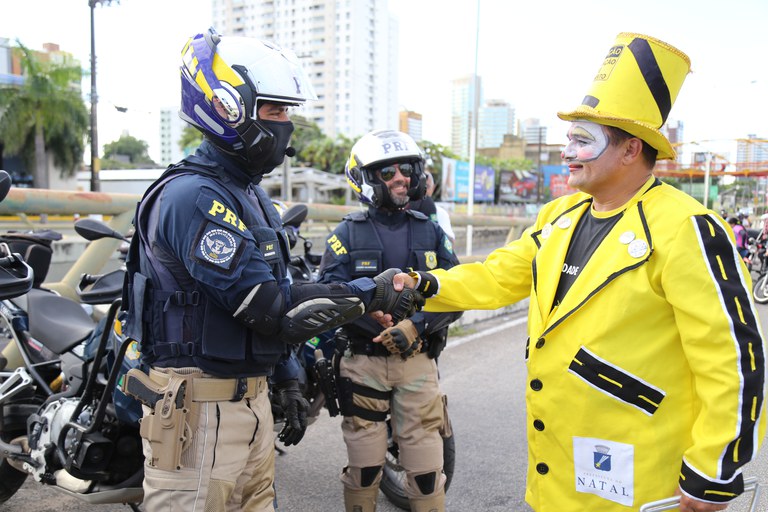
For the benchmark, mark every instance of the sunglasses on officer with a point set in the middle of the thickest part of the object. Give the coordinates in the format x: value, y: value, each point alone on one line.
x: 388, y: 172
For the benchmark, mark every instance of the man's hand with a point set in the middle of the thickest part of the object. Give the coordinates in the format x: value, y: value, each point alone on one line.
x: 688, y: 504
x: 295, y: 409
x: 384, y: 319
x: 403, y: 280
x: 402, y: 339
x: 398, y: 303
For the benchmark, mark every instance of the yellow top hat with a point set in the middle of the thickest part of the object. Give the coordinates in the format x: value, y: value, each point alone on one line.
x: 635, y: 89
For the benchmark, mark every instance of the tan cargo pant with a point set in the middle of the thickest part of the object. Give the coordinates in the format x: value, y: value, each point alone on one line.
x: 229, y: 464
x: 416, y: 417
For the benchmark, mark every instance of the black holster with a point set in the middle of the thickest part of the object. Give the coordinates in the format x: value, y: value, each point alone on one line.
x: 436, y: 342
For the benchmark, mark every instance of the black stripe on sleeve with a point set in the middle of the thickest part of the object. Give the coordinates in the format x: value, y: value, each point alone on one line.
x: 725, y: 269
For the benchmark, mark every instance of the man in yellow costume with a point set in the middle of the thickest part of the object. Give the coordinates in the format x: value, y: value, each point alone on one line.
x: 646, y: 362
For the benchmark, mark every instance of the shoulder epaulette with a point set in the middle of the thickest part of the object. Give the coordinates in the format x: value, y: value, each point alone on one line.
x: 416, y: 214
x: 357, y: 216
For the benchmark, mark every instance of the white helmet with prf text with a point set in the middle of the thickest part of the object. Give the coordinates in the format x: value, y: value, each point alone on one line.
x: 377, y: 150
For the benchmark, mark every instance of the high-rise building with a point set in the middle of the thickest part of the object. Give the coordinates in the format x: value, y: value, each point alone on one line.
x: 752, y: 150
x: 171, y: 128
x: 410, y: 123
x: 533, y: 132
x: 349, y: 50
x: 463, y: 92
x: 496, y: 119
x: 674, y: 132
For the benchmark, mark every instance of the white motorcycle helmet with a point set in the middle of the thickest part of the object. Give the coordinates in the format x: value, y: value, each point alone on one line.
x: 377, y: 150
x: 223, y: 81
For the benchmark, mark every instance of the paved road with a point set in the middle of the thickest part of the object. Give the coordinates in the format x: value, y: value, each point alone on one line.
x: 483, y: 375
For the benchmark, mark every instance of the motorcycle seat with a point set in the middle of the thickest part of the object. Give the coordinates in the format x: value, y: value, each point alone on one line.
x: 57, y: 322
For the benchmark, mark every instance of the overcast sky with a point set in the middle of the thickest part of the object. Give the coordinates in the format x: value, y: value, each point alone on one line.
x: 538, y: 55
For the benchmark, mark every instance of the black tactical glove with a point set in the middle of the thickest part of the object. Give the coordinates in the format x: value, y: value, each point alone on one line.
x: 402, y: 339
x: 400, y: 304
x: 295, y: 408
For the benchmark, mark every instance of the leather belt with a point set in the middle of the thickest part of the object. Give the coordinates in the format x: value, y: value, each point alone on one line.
x: 212, y: 389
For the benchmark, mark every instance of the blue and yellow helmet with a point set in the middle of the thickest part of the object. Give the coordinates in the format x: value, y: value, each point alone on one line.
x: 223, y: 79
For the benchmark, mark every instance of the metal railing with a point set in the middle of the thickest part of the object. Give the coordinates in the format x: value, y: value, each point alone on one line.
x: 22, y: 203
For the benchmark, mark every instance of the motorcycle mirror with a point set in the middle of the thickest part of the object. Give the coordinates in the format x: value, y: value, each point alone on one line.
x: 5, y: 184
x: 295, y: 215
x: 92, y: 229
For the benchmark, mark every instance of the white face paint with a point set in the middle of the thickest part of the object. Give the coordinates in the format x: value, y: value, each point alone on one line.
x: 586, y: 142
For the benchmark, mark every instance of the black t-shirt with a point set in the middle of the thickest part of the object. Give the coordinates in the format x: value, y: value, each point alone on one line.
x: 587, y: 236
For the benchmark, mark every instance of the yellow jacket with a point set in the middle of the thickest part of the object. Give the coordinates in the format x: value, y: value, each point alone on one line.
x: 652, y: 369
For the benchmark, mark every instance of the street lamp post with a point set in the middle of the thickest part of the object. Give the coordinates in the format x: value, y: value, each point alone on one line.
x: 95, y: 161
x: 707, y: 171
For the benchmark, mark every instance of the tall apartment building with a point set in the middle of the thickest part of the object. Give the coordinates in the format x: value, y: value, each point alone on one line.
x: 410, y: 123
x: 348, y: 48
x: 171, y: 127
x: 674, y: 131
x: 463, y: 92
x: 533, y: 132
x: 752, y: 150
x: 495, y: 120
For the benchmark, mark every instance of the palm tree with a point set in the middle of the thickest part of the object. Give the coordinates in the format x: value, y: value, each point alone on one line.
x: 45, y: 113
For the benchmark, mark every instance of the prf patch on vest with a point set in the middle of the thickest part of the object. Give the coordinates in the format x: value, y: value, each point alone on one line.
x: 336, y: 246
x: 223, y: 213
x: 366, y: 265
x: 217, y: 246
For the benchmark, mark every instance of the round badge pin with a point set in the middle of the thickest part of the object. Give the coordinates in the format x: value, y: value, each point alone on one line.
x: 564, y: 222
x: 626, y: 237
x: 546, y: 230
x: 637, y: 248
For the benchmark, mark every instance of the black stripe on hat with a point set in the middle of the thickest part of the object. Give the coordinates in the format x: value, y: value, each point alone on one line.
x: 652, y: 75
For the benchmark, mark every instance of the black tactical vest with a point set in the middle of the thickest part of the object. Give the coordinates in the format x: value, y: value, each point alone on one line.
x: 169, y: 314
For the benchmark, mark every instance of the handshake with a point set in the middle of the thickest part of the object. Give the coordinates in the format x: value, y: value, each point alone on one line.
x: 397, y: 294
x: 395, y: 298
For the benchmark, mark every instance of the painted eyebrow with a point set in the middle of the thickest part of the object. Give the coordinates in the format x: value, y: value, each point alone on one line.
x: 582, y: 133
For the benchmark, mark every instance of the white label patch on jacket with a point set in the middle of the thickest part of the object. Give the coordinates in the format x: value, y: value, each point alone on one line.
x: 605, y: 468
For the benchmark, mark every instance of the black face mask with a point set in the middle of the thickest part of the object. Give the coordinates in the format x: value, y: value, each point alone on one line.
x: 281, y: 130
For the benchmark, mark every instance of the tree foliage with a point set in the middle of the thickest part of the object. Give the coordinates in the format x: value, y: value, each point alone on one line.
x: 44, y: 114
x: 191, y: 137
x: 325, y: 153
x: 127, y: 152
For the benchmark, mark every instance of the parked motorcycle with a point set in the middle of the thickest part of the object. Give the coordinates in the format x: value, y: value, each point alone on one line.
x: 58, y: 419
x: 316, y: 357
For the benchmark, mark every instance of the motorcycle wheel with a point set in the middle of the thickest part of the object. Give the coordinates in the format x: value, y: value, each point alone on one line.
x: 393, y: 474
x: 11, y: 479
x: 760, y: 290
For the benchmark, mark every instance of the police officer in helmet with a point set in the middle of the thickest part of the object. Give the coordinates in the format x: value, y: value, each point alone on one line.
x: 395, y: 369
x: 207, y: 291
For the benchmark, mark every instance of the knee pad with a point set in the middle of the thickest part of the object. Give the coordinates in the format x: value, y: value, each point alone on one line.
x: 426, y: 483
x: 362, y: 477
x: 368, y: 475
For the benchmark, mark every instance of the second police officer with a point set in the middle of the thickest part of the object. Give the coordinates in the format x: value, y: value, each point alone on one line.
x: 386, y: 170
x: 208, y: 296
